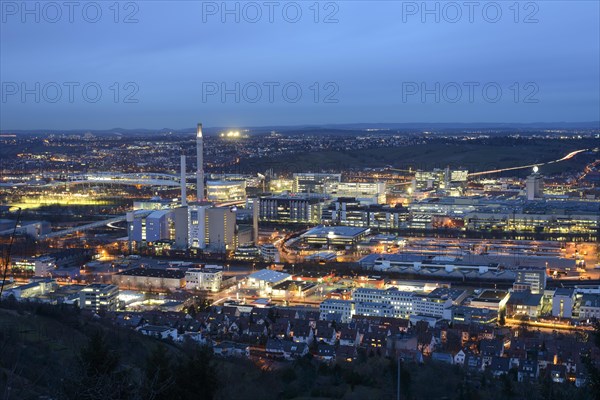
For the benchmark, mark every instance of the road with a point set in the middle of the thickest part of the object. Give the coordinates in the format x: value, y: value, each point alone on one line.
x: 546, y: 327
x: 495, y: 171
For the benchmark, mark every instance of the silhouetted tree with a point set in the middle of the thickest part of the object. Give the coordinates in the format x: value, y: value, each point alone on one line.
x: 195, y: 377
x: 97, y: 375
x: 159, y: 375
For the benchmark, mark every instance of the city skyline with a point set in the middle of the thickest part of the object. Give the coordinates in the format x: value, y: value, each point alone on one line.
x: 266, y: 200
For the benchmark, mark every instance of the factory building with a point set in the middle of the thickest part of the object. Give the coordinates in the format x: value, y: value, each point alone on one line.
x: 150, y: 279
x: 158, y: 225
x: 197, y: 224
x: 221, y: 229
x: 146, y: 226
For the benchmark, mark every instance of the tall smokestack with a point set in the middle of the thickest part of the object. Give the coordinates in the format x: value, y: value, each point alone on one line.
x: 200, y: 161
x: 183, y: 182
x: 255, y: 213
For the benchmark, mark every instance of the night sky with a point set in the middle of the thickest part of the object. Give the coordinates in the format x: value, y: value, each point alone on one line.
x: 354, y: 61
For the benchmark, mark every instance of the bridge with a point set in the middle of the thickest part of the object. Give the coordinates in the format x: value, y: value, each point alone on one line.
x: 133, y: 179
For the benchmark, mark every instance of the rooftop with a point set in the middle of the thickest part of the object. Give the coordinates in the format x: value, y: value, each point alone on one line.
x: 525, y: 298
x: 155, y: 273
x: 269, y: 275
x: 590, y: 300
x: 335, y: 231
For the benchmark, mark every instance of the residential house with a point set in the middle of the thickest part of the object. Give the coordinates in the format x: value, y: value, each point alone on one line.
x: 460, y: 356
x: 346, y: 354
x: 473, y: 363
x: 303, y: 333
x: 499, y: 366
x: 528, y: 371
x: 350, y: 337
x: 326, y: 353
x: 442, y: 357
x: 557, y: 373
x: 326, y: 335
x: 159, y: 332
x: 293, y: 351
x: 231, y: 349
x: 281, y: 328
x: 256, y: 331
x: 490, y: 349
x: 375, y: 338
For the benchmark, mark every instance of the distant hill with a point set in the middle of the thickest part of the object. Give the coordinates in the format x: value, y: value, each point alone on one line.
x: 498, y: 128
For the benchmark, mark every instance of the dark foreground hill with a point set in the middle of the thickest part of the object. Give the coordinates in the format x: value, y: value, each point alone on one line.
x: 51, y: 352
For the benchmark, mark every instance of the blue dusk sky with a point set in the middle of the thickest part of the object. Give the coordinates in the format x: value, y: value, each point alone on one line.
x: 155, y: 64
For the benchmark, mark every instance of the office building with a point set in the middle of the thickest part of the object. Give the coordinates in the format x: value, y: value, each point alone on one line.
x: 437, y: 304
x: 534, y: 186
x: 533, y: 277
x: 277, y: 186
x: 589, y: 306
x: 364, y: 192
x: 98, y: 297
x: 224, y: 191
x: 468, y: 315
x: 343, y: 309
x: 491, y: 299
x: 563, y: 301
x: 313, y: 182
x: 268, y: 252
x: 334, y: 237
x: 369, y: 309
x: 401, y: 302
x: 348, y: 211
x: 208, y: 278
x: 291, y: 209
x: 39, y: 266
